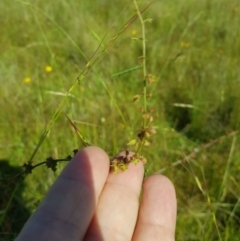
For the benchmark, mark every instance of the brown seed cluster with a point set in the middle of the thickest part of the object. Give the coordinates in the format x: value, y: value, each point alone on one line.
x: 120, y: 161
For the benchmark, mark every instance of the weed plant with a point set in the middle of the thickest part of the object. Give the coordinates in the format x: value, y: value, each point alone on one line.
x: 159, y: 78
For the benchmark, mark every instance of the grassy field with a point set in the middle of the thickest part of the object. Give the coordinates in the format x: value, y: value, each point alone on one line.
x: 193, y: 50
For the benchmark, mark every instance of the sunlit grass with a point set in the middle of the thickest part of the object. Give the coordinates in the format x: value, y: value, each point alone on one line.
x: 192, y: 49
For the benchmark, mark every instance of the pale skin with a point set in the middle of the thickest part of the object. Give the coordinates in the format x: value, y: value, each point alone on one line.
x: 87, y: 203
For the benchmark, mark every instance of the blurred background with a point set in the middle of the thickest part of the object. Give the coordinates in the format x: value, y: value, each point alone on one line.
x: 193, y: 49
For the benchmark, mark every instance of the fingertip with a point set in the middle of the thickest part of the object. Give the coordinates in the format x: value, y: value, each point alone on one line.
x: 163, y: 194
x: 160, y: 181
x: 157, y: 214
x: 86, y: 160
x: 96, y: 153
x: 72, y: 200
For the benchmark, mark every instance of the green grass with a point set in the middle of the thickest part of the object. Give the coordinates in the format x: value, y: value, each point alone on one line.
x: 193, y: 50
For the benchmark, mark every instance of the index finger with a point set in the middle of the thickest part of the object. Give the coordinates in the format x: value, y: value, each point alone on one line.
x: 69, y: 206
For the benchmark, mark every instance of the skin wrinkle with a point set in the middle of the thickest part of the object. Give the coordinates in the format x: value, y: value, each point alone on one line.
x: 111, y: 232
x: 88, y: 186
x: 74, y: 210
x: 161, y: 231
x: 157, y: 204
x: 48, y: 218
x: 154, y: 231
x: 121, y: 233
x: 54, y: 222
x: 114, y: 231
x: 158, y: 226
x: 84, y: 191
x: 130, y: 196
x: 68, y: 178
x: 125, y: 187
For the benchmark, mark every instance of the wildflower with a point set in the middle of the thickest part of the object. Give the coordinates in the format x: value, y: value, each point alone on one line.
x: 235, y: 9
x: 82, y: 89
x: 102, y: 120
x: 185, y: 44
x: 27, y: 80
x: 220, y: 51
x: 48, y: 68
x: 133, y: 32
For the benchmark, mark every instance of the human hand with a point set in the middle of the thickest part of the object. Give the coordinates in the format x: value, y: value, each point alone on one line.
x: 87, y: 203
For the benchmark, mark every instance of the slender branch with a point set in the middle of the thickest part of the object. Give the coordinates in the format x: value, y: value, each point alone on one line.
x: 192, y: 155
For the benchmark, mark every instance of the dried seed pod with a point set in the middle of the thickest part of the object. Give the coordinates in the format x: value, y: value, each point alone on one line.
x: 28, y: 167
x: 121, y: 160
x: 141, y: 135
x: 151, y: 130
x: 51, y: 163
x: 136, y: 98
x: 151, y: 78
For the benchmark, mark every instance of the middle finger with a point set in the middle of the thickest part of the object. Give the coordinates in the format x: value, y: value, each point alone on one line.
x: 117, y: 209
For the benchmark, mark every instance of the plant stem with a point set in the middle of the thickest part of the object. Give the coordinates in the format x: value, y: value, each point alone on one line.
x: 143, y: 61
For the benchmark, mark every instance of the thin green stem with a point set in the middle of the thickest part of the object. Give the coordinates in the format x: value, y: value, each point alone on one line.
x: 143, y: 57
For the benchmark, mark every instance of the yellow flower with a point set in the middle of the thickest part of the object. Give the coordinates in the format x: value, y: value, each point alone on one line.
x: 133, y: 32
x: 27, y: 80
x: 185, y: 44
x: 220, y: 51
x: 82, y: 88
x: 235, y: 9
x: 48, y: 68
